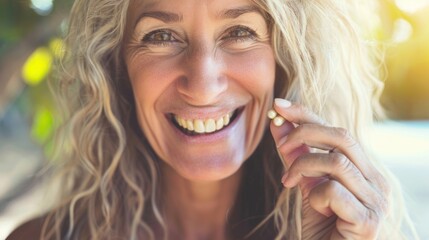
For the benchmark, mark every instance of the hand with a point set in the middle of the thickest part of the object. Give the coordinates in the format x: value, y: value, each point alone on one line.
x: 344, y: 196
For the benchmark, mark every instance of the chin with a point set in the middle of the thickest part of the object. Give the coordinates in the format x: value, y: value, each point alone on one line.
x: 208, y: 169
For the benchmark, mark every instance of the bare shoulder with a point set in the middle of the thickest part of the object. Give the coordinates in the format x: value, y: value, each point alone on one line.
x: 29, y: 230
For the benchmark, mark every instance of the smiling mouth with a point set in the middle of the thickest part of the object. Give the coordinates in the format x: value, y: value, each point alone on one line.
x: 195, y: 127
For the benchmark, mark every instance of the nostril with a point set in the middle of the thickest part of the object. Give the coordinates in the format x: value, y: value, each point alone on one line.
x: 202, y: 91
x: 203, y: 81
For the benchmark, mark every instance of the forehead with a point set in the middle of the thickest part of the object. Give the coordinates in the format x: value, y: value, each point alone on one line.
x: 214, y: 8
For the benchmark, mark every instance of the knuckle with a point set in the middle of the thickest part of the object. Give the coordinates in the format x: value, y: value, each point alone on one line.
x: 371, y: 225
x: 382, y: 205
x: 333, y: 187
x: 385, y: 192
x: 384, y: 185
x: 300, y: 162
x: 319, y: 195
x: 341, y: 163
x: 342, y: 132
x: 346, y: 137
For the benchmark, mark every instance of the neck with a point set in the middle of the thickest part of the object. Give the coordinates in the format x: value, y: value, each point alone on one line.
x: 198, y: 210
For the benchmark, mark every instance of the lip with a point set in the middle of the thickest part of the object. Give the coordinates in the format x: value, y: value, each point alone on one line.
x: 206, y: 137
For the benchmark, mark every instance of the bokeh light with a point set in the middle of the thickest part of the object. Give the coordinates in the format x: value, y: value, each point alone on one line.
x: 37, y: 66
x: 42, y: 125
x: 402, y: 31
x: 42, y: 7
x: 57, y: 47
x: 412, y: 6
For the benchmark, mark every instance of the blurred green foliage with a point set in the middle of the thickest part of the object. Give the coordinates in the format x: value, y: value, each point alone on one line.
x: 406, y: 95
x: 37, y: 66
x: 16, y: 20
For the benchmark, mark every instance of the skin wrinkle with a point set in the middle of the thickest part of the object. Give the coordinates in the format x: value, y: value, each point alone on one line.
x: 169, y: 17
x: 211, y: 73
x: 248, y: 68
x: 166, y: 17
x: 305, y: 75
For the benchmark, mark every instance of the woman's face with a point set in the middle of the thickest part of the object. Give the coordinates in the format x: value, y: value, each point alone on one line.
x: 202, y: 73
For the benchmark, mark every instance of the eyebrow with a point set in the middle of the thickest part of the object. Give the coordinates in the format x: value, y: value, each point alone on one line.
x: 236, y: 12
x: 169, y: 17
x: 166, y: 17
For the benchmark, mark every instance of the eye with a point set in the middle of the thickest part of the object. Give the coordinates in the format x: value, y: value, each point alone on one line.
x: 161, y: 36
x: 239, y: 33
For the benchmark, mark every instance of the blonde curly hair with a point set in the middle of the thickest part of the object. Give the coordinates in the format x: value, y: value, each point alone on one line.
x: 107, y: 194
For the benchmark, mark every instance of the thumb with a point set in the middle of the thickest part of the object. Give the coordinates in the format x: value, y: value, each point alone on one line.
x: 280, y: 134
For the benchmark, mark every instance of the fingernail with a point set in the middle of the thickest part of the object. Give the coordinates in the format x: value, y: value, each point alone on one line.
x: 284, y: 178
x: 280, y: 102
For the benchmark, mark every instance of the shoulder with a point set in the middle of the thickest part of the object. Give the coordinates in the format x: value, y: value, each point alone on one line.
x: 29, y: 230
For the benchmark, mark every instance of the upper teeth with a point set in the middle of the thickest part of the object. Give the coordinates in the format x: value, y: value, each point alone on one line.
x: 203, y: 125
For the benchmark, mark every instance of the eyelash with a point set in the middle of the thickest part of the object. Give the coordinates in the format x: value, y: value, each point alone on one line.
x: 250, y: 34
x: 148, y: 38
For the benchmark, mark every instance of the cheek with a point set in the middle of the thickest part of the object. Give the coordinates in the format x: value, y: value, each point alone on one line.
x: 255, y: 71
x: 148, y: 77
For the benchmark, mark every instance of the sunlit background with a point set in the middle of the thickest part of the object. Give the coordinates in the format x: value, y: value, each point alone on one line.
x: 31, y: 41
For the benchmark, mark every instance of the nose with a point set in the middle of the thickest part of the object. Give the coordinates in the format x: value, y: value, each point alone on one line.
x: 203, y: 82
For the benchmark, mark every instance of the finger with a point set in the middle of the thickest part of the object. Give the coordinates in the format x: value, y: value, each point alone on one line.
x: 333, y: 198
x: 331, y: 139
x: 334, y: 166
x: 296, y: 113
x: 279, y: 134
